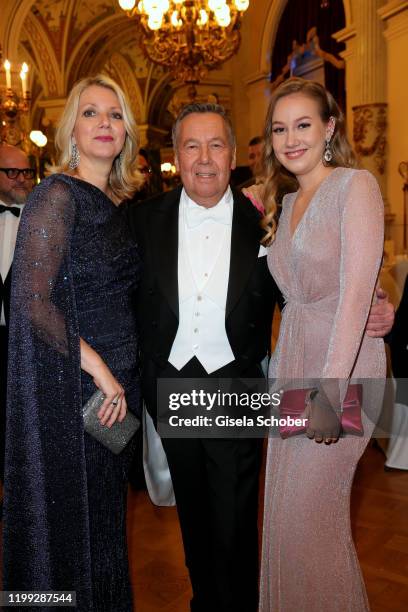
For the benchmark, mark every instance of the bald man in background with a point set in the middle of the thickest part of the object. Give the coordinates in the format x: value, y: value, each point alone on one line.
x: 16, y: 182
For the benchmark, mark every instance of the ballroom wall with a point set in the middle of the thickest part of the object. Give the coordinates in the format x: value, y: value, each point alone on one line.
x: 63, y: 40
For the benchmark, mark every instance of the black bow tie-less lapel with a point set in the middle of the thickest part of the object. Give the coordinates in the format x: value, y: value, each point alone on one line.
x: 164, y: 227
x: 245, y: 238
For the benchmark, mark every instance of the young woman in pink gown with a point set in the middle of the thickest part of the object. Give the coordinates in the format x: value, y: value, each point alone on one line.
x: 325, y: 257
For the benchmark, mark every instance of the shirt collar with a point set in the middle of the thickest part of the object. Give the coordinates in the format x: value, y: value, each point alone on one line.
x: 226, y: 204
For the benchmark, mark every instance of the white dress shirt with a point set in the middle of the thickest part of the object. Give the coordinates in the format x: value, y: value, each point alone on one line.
x: 8, y: 233
x: 203, y: 271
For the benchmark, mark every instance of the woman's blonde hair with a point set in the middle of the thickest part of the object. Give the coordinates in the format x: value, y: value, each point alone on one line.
x: 277, y: 177
x: 124, y: 179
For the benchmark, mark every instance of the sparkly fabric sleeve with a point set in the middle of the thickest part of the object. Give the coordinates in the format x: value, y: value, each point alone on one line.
x: 362, y: 235
x: 45, y: 245
x: 45, y: 507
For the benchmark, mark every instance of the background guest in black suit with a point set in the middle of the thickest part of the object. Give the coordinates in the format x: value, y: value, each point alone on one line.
x: 254, y: 167
x: 16, y: 182
x: 399, y: 348
x: 143, y: 165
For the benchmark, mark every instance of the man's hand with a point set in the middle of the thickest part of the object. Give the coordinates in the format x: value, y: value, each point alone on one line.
x: 324, y: 423
x: 381, y: 317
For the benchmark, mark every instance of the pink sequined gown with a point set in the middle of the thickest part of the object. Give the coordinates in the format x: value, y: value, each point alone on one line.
x: 327, y: 272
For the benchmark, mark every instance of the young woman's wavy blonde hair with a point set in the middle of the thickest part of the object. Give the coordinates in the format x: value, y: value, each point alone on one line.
x: 277, y: 177
x: 124, y: 179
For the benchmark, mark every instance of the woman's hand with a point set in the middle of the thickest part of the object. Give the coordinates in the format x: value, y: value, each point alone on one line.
x: 114, y: 406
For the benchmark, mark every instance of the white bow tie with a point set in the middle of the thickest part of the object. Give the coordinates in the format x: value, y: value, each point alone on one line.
x: 195, y: 215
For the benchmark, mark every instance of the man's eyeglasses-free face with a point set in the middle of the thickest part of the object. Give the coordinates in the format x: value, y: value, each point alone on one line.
x: 13, y: 173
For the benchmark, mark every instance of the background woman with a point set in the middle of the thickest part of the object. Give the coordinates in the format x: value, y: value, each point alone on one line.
x: 73, y: 330
x: 325, y: 258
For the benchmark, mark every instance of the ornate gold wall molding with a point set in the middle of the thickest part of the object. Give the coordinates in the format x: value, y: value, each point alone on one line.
x: 123, y: 73
x: 369, y: 133
x: 46, y: 62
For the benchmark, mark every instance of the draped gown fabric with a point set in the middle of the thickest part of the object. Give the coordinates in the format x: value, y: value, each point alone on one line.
x: 74, y: 275
x: 327, y: 273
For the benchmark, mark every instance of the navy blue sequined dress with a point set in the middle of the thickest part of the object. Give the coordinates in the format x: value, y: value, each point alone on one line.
x: 75, y: 273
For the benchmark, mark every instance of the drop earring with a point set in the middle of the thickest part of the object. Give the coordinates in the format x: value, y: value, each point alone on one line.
x: 75, y: 157
x: 328, y: 155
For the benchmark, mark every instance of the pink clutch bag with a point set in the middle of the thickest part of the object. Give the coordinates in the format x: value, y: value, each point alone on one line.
x: 293, y: 404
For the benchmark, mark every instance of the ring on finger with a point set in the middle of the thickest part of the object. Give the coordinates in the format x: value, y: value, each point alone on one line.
x: 115, y: 402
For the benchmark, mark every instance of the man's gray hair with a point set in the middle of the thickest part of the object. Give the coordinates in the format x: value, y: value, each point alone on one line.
x: 203, y: 107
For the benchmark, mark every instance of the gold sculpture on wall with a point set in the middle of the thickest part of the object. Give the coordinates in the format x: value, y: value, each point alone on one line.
x: 369, y: 133
x: 306, y: 53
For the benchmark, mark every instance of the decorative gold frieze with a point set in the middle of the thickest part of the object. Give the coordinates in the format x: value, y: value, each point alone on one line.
x: 369, y: 133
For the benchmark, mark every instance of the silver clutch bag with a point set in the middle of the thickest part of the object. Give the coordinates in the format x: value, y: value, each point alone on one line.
x: 116, y: 437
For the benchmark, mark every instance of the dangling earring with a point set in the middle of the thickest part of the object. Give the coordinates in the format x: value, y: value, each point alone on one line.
x: 328, y: 155
x: 75, y: 157
x: 119, y: 166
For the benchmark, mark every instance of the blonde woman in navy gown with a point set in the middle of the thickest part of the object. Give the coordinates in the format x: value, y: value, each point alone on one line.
x: 72, y: 331
x: 325, y: 258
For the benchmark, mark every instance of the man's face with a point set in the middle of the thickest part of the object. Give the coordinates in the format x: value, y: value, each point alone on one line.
x: 144, y: 168
x: 255, y: 158
x: 204, y: 157
x: 14, y: 191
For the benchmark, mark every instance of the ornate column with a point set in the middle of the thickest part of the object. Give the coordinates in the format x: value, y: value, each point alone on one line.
x: 370, y: 108
x: 365, y: 57
x: 366, y: 85
x: 394, y: 16
x: 348, y: 36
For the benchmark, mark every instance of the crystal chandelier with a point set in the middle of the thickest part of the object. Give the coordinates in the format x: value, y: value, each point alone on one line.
x: 189, y: 37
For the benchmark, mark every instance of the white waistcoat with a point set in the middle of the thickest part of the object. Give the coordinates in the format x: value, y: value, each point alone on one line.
x: 201, y: 332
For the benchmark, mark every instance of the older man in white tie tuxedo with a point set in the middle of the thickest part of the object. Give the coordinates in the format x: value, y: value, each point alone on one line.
x: 205, y: 311
x: 16, y: 182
